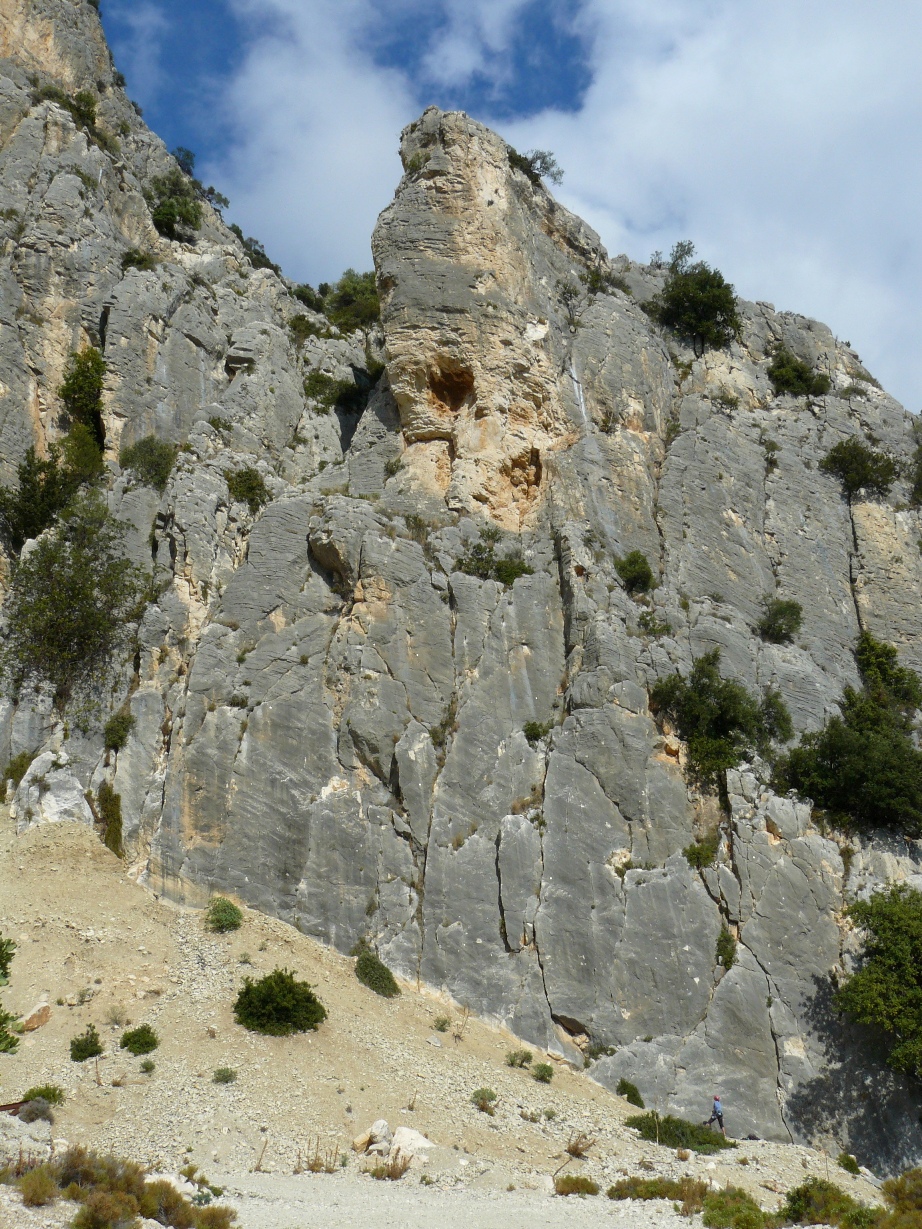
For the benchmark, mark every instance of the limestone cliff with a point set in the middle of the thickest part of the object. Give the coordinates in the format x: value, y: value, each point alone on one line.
x: 330, y: 715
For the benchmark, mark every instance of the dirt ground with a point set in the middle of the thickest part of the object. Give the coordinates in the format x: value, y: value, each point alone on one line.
x: 98, y: 948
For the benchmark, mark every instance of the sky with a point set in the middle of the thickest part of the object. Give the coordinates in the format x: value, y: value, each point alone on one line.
x: 783, y: 138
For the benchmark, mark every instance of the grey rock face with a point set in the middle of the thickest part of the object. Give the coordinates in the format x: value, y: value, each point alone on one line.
x: 340, y: 725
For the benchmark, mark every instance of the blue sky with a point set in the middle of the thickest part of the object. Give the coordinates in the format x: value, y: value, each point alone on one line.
x: 784, y: 139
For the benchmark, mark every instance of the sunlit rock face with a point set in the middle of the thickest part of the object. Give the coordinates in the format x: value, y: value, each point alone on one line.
x: 340, y: 725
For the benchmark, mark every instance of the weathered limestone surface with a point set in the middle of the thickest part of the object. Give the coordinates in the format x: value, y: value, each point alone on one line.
x: 330, y: 713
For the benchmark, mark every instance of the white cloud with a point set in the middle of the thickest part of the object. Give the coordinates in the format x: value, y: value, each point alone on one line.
x: 783, y: 138
x: 138, y: 50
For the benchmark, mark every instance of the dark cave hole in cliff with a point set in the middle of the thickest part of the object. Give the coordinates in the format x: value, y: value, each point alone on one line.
x: 451, y: 385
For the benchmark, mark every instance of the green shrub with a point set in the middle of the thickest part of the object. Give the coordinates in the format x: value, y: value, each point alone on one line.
x: 7, y: 951
x: 223, y: 915
x: 780, y: 621
x: 224, y: 1075
x: 702, y: 853
x: 109, y: 806
x: 534, y: 731
x: 52, y: 1093
x: 148, y: 1066
x: 819, y: 1202
x: 81, y: 391
x: 256, y: 253
x: 140, y: 1040
x: 485, y: 1100
x: 630, y: 1092
x: 519, y: 1058
x: 134, y: 258
x: 116, y: 730
x: 38, y: 1187
x: 175, y: 209
x: 151, y: 461
x: 278, y: 1005
x: 860, y: 468
x: 635, y: 572
x: 71, y: 602
x: 481, y: 561
x: 372, y: 973
x: 697, y: 302
x: 45, y: 485
x: 732, y: 1208
x: 302, y: 327
x: 725, y: 952
x: 677, y: 1133
x: 650, y: 625
x: 790, y: 374
x: 246, y: 486
x: 9, y: 1041
x: 346, y: 396
x: 686, y: 1191
x: 847, y: 1162
x: 352, y: 302
x: 718, y: 718
x: 914, y: 476
x: 15, y: 770
x: 543, y: 1072
x: 904, y: 1194
x: 863, y: 767
x: 441, y: 1024
x: 536, y: 165
x: 575, y: 1184
x: 85, y: 1045
x: 886, y: 991
x: 309, y: 297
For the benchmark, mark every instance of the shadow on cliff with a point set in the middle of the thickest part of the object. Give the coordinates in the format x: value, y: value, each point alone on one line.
x: 860, y: 1101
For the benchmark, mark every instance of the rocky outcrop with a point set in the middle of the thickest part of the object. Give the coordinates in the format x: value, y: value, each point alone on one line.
x: 338, y: 723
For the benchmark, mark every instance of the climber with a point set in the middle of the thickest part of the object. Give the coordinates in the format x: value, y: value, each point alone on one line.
x: 717, y: 1114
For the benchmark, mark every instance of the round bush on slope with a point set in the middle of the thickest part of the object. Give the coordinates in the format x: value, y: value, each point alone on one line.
x: 278, y: 1005
x: 374, y: 974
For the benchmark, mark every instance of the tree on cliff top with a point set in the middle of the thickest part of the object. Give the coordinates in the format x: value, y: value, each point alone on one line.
x: 697, y: 301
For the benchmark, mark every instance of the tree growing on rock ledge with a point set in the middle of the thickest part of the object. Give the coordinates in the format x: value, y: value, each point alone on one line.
x: 697, y: 301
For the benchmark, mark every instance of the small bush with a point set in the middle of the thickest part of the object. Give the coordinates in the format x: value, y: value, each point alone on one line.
x: 246, y: 486
x: 374, y: 974
x: 134, y: 258
x: 35, y: 1109
x: 301, y: 327
x: 818, y: 1202
x: 485, y: 1100
x: 630, y: 1092
x: 116, y: 730
x: 9, y: 1041
x: 732, y: 1209
x: 575, y: 1184
x: 688, y: 1192
x: 718, y: 718
x: 790, y: 374
x: 148, y: 1067
x: 482, y: 561
x: 105, y: 1209
x: 635, y: 572
x: 224, y: 1075
x: 223, y: 915
x: 309, y: 297
x: 72, y: 602
x: 725, y: 953
x: 904, y: 1194
x: 109, y: 806
x: 847, y: 1162
x: 860, y: 468
x: 352, y: 303
x: 536, y: 165
x: 441, y: 1024
x: 175, y: 209
x: 780, y: 621
x: 45, y: 485
x: 672, y: 1132
x: 278, y: 1005
x: 15, y: 770
x: 702, y: 853
x: 151, y: 460
x: 140, y: 1040
x: 543, y: 1073
x: 534, y: 731
x: 697, y: 302
x: 256, y: 253
x: 38, y: 1187
x: 52, y: 1093
x: 519, y: 1058
x: 85, y: 1045
x: 81, y: 391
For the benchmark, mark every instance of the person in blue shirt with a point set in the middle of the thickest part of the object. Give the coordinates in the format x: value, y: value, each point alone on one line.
x: 717, y: 1115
